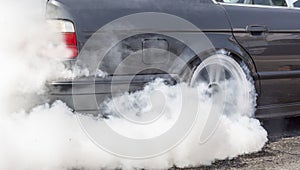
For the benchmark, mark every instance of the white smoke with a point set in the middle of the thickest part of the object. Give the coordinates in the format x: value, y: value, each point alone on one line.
x: 49, y: 136
x: 30, y: 53
x: 236, y: 132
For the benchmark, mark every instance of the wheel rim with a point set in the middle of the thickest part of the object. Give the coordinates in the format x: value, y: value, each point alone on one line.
x: 222, y: 73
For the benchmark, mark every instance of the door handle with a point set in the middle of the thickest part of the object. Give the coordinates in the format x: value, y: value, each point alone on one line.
x: 256, y: 29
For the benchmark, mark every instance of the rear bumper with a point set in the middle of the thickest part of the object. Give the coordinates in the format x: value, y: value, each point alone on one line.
x: 85, y: 95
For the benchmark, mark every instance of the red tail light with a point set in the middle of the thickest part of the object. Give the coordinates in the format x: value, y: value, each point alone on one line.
x: 71, y: 43
x: 68, y: 31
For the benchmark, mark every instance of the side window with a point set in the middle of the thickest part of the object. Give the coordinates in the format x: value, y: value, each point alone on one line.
x: 294, y: 3
x: 257, y: 2
x: 279, y: 3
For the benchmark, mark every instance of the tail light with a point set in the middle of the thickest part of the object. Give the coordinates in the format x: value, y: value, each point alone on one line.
x: 68, y: 32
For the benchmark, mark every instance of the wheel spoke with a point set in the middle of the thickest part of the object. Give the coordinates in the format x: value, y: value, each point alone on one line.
x: 216, y: 73
x: 223, y: 76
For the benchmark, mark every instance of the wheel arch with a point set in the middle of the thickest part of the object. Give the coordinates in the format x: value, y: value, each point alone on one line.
x: 231, y: 49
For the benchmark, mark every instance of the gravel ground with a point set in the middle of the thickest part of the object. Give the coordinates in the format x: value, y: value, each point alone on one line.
x: 281, y: 153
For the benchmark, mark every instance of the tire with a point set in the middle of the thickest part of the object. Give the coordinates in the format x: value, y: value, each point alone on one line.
x: 223, y: 74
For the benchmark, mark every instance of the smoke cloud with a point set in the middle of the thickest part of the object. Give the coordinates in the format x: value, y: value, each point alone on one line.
x: 36, y: 134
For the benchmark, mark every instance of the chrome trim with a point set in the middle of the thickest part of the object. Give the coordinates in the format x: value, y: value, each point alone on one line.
x: 215, y: 2
x: 243, y: 30
x: 255, y: 5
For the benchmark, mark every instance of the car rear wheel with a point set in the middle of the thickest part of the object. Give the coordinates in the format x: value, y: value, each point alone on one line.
x: 223, y: 74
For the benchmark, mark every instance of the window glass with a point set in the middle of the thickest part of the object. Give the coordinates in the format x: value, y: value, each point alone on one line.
x: 294, y: 3
x: 259, y: 2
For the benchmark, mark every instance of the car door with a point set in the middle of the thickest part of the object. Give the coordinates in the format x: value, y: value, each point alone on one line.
x: 271, y: 35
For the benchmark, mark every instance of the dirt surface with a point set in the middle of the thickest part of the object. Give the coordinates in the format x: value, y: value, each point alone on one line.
x: 282, y: 152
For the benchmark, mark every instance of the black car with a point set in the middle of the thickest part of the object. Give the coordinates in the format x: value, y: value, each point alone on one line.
x: 262, y: 35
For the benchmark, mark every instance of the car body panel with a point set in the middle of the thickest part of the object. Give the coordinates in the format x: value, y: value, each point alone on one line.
x: 91, y: 15
x: 226, y: 27
x: 275, y: 48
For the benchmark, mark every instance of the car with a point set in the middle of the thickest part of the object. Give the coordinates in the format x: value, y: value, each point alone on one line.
x: 262, y: 35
